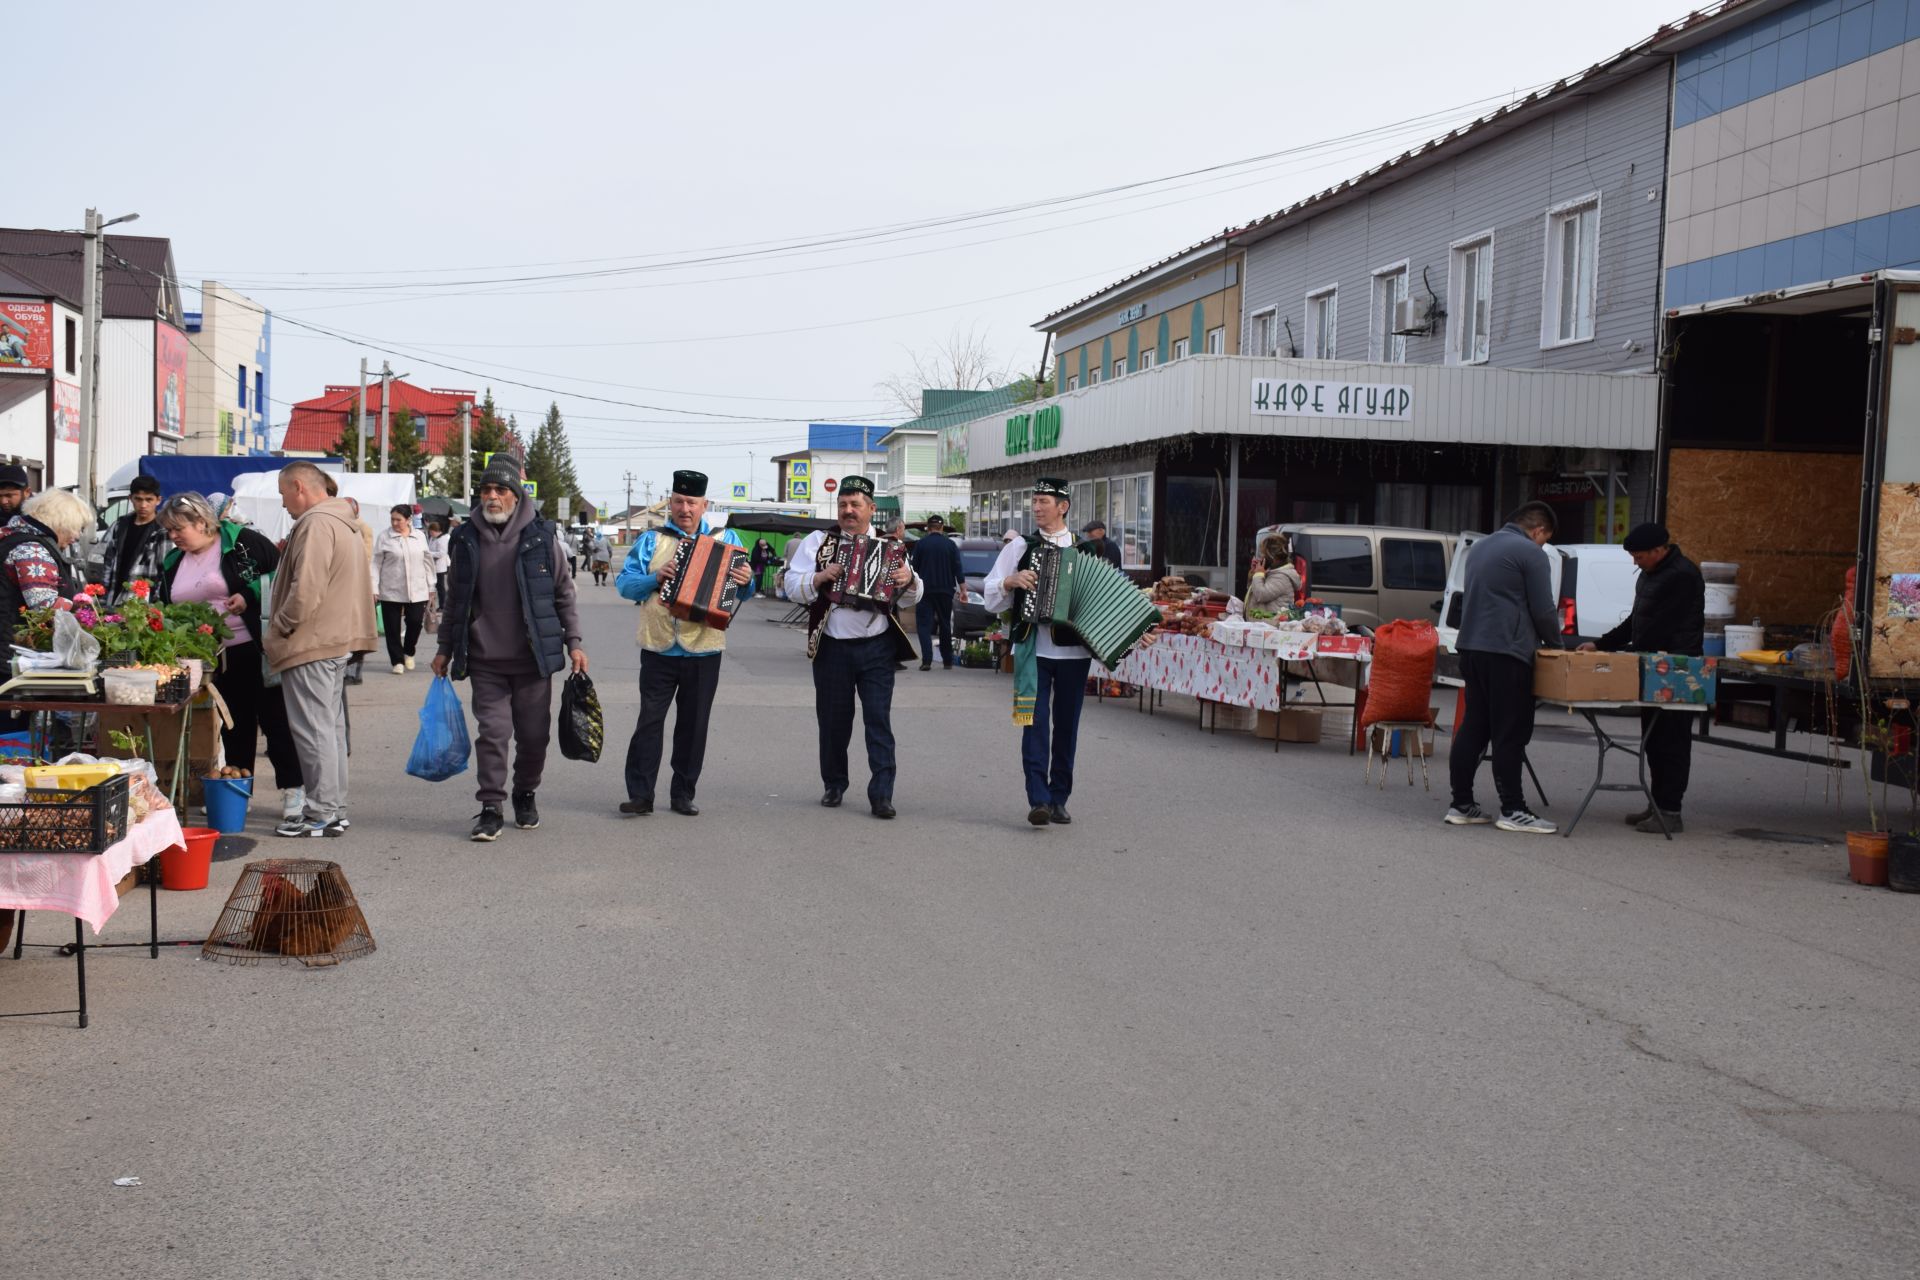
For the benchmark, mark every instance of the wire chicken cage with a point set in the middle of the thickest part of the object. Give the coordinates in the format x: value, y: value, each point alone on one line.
x: 290, y: 909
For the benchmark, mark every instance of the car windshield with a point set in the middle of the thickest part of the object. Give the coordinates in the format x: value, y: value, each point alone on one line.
x: 979, y: 563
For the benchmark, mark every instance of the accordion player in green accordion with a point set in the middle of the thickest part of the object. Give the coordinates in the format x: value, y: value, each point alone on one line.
x: 1066, y: 606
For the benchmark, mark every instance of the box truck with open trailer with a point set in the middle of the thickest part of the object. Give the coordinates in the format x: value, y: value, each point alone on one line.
x: 1790, y: 443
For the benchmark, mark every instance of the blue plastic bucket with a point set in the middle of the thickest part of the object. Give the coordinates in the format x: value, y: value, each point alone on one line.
x: 1714, y: 644
x: 227, y: 803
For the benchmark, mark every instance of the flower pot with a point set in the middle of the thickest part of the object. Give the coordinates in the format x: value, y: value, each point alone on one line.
x: 1867, y: 857
x: 1903, y: 864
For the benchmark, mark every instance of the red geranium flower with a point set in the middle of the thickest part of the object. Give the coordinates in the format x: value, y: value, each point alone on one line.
x: 205, y: 630
x: 95, y: 589
x: 154, y: 622
x: 143, y: 588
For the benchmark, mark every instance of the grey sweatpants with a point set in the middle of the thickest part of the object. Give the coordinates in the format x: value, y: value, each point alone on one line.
x: 316, y: 695
x: 510, y: 705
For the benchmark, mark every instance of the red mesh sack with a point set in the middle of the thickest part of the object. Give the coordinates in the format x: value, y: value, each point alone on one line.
x: 1401, y: 683
x: 1841, y: 636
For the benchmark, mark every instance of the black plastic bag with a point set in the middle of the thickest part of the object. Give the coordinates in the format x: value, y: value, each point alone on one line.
x: 582, y: 728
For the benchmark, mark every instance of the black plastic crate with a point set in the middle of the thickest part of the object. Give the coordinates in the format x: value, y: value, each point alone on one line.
x: 60, y: 821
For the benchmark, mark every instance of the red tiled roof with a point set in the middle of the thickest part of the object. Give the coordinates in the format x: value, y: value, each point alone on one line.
x: 317, y: 423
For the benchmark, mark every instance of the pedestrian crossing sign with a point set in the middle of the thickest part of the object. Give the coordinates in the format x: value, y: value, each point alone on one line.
x: 799, y: 489
x: 532, y: 487
x: 600, y: 513
x: 739, y: 493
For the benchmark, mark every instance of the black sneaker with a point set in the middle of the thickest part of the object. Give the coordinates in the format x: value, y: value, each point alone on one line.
x: 525, y: 816
x: 489, y: 824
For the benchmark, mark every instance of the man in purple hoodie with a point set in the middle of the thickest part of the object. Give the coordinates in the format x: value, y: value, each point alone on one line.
x: 510, y: 625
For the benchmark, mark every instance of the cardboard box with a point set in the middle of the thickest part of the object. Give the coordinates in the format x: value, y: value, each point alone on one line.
x: 1586, y: 677
x: 1289, y: 724
x: 1672, y: 677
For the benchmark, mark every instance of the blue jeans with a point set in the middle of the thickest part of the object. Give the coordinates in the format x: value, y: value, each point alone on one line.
x: 841, y: 669
x: 1056, y: 706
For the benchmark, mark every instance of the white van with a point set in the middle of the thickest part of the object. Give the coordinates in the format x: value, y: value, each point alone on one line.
x: 1592, y: 582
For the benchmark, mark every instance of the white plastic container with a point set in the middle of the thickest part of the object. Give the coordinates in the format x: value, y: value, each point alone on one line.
x: 1745, y: 639
x: 129, y: 687
x: 1723, y: 599
x: 1720, y: 571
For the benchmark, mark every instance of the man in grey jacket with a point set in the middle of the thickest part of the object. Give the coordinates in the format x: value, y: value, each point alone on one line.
x: 1506, y: 614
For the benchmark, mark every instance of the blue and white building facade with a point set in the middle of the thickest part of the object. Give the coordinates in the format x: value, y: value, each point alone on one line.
x: 229, y: 383
x: 1795, y: 156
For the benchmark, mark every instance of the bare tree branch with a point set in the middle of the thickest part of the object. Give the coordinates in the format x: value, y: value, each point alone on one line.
x: 965, y: 361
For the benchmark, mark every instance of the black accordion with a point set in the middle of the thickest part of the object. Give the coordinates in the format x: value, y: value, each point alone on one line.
x: 870, y: 564
x: 1086, y: 601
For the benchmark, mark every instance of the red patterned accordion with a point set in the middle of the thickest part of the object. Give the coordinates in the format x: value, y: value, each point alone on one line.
x: 870, y: 564
x: 702, y: 589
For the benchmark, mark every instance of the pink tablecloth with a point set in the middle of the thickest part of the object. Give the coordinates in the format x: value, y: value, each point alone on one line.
x: 81, y: 884
x: 1203, y: 668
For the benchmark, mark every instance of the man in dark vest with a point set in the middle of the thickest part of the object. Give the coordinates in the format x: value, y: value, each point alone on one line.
x: 510, y: 624
x: 1669, y: 616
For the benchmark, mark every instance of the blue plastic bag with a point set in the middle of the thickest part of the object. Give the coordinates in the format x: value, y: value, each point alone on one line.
x: 440, y: 751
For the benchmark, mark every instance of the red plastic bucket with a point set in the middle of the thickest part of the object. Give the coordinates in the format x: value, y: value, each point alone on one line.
x: 190, y: 867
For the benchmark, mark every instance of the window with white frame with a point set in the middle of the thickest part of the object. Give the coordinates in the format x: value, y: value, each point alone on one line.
x: 1093, y: 376
x: 1389, y: 291
x: 1119, y: 368
x: 1323, y: 322
x: 1148, y: 357
x: 1470, y: 300
x: 1573, y: 243
x: 1073, y: 382
x: 1263, y: 326
x: 1217, y: 341
x: 1125, y: 505
x: 1181, y: 346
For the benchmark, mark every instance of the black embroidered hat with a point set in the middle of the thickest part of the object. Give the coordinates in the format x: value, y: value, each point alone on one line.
x: 856, y: 484
x: 692, y: 484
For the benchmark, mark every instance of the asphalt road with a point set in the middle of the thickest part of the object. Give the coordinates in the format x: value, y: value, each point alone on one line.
x: 1247, y: 1017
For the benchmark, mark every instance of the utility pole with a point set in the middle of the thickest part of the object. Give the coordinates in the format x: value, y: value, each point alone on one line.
x: 386, y: 407
x: 91, y: 313
x: 749, y: 475
x: 466, y: 453
x: 90, y: 367
x: 360, y: 423
x: 629, y: 479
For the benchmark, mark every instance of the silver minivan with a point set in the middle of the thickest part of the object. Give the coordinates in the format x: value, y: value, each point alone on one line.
x: 1375, y: 573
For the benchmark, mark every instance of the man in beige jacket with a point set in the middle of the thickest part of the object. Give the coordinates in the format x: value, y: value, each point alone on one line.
x: 322, y: 614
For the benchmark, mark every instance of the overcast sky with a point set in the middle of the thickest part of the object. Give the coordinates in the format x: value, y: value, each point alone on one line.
x: 358, y: 167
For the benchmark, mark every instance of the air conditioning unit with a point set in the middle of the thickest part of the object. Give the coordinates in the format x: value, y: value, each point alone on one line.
x: 1409, y: 316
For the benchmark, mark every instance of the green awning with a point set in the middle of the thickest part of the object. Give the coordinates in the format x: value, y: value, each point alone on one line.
x: 888, y: 502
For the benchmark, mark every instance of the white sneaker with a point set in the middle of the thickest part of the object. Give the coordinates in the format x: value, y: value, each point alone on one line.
x: 293, y: 802
x: 1521, y: 820
x: 409, y: 663
x: 399, y: 670
x: 1471, y: 816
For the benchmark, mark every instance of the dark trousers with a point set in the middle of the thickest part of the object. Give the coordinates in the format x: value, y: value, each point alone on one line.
x: 256, y: 709
x: 1669, y: 757
x: 510, y: 705
x: 841, y: 669
x: 1499, y: 694
x: 392, y: 613
x: 687, y: 685
x: 1048, y: 758
x: 936, y: 613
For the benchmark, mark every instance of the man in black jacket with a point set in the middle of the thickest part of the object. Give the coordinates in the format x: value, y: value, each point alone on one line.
x: 1669, y: 616
x: 937, y: 560
x: 1099, y: 543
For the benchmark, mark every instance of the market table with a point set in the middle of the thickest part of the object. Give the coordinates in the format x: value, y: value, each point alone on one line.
x: 1239, y: 664
x: 1607, y: 742
x: 176, y: 790
x: 82, y: 885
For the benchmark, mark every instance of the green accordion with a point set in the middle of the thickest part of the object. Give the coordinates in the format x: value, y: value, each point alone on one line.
x: 1086, y: 601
